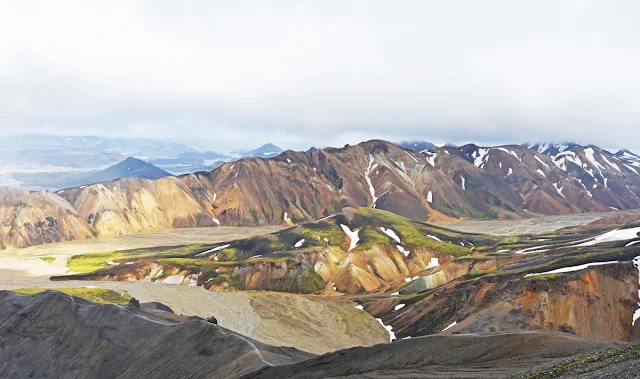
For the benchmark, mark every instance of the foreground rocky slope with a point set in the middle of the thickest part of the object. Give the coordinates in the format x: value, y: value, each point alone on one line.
x: 295, y: 187
x: 465, y: 356
x: 52, y: 335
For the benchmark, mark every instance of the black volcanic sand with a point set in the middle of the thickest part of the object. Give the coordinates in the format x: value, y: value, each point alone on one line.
x: 452, y: 356
x: 53, y: 335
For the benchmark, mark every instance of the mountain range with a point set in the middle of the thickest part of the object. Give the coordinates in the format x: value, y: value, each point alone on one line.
x: 52, y: 162
x: 443, y: 183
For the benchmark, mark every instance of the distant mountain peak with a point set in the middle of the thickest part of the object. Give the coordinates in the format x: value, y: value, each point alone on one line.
x: 267, y: 150
x: 417, y: 146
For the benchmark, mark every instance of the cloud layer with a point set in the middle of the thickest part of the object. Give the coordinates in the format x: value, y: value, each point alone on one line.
x: 316, y: 73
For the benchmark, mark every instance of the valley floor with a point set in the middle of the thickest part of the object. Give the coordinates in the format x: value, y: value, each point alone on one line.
x: 534, y: 225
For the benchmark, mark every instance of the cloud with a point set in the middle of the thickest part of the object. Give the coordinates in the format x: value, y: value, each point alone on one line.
x: 305, y: 73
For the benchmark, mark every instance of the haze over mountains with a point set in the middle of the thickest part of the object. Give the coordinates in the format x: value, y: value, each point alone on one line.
x: 437, y: 184
x: 55, y: 162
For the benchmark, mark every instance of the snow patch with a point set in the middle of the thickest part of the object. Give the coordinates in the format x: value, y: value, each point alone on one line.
x: 299, y: 243
x: 398, y: 307
x: 353, y: 235
x: 463, y: 183
x: 430, y: 197
x: 389, y: 329
x: 390, y: 233
x: 450, y: 326
x: 541, y: 161
x: 614, y: 235
x: 213, y: 250
x: 372, y: 190
x: 559, y: 189
x: 434, y: 262
x: 411, y: 156
x: 480, y: 157
x: 434, y: 237
x: 571, y: 268
x: 403, y: 251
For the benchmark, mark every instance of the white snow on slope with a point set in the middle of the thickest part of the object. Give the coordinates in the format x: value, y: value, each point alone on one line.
x: 479, y: 157
x: 431, y: 157
x: 541, y: 172
x: 590, y: 154
x: 450, y: 326
x: 403, y: 251
x: 430, y: 197
x: 360, y: 307
x: 390, y: 233
x: 372, y: 190
x: 541, y: 161
x: 509, y: 152
x: 531, y: 250
x: 571, y: 268
x: 434, y: 262
x: 610, y: 163
x: 614, y: 235
x: 412, y: 157
x: 353, y: 235
x: 434, y: 237
x: 286, y: 216
x: 398, y: 307
x: 216, y: 220
x: 463, y: 183
x: 214, y: 249
x: 389, y: 328
x: 299, y: 243
x: 559, y: 189
x: 510, y: 171
x: 632, y: 243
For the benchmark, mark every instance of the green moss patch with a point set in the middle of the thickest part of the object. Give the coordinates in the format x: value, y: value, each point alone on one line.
x: 96, y: 295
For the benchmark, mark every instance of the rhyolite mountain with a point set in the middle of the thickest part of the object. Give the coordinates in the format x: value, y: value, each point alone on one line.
x: 418, y: 279
x: 293, y: 187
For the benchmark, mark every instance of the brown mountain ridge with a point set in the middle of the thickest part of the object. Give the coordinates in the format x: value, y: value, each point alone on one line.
x: 294, y: 187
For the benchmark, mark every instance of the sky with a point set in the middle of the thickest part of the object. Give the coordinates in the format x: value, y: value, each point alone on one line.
x: 236, y: 74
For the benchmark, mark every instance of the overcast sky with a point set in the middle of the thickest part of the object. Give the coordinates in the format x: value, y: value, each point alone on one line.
x: 318, y: 73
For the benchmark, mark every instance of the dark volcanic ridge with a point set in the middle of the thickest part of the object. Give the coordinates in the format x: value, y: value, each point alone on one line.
x: 53, y: 335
